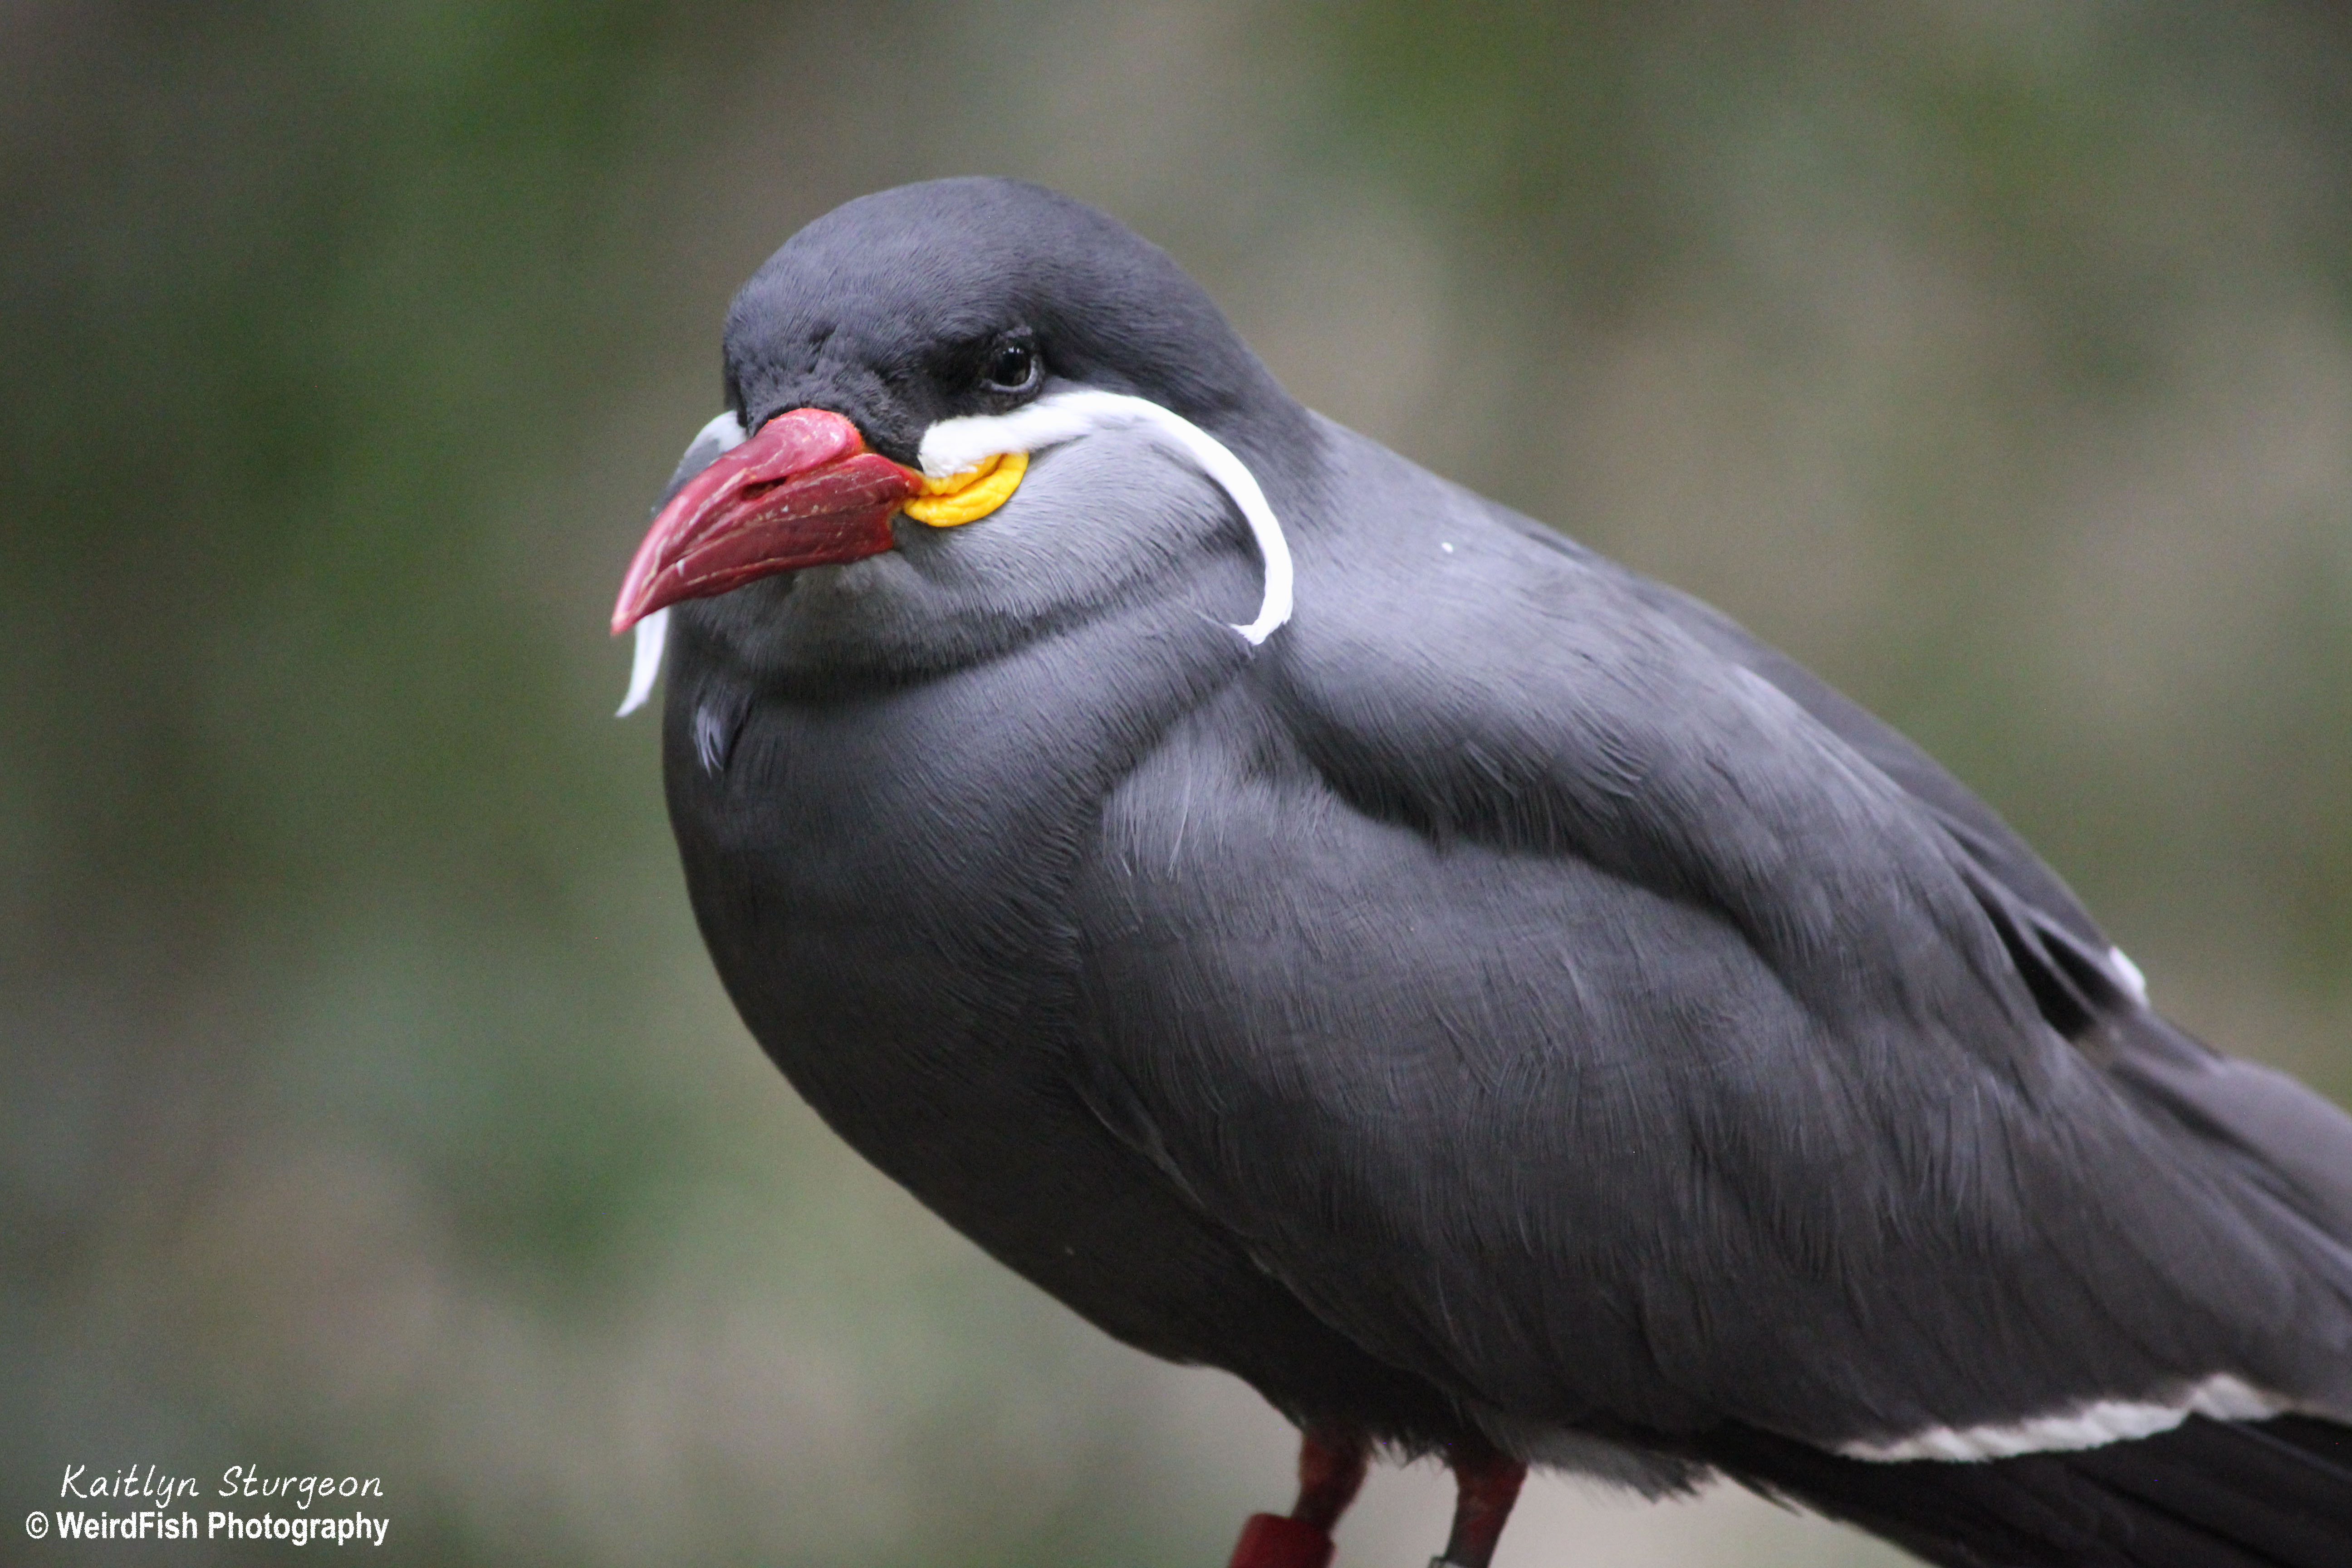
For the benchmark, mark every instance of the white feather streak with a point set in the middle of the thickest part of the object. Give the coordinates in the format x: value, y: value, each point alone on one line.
x: 652, y: 632
x: 2093, y: 1426
x: 953, y: 446
x: 2128, y: 973
x: 710, y: 443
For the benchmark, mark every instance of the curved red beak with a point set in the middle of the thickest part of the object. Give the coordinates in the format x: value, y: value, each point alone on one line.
x: 802, y: 491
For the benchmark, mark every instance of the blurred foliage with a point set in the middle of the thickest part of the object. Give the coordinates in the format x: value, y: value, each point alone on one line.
x: 370, y: 1106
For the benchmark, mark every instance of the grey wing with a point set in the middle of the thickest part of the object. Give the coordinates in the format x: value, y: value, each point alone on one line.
x: 2293, y: 1139
x: 2075, y: 973
x: 1571, y: 1014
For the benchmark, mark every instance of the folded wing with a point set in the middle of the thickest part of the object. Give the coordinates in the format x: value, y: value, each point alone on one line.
x: 1582, y: 1009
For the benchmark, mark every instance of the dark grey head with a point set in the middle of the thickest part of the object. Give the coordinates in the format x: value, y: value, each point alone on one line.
x: 929, y: 331
x: 972, y: 296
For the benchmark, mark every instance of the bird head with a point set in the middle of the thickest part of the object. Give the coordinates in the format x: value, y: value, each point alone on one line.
x: 897, y: 368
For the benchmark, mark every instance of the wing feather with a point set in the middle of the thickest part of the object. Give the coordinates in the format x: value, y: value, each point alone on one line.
x: 1581, y: 1009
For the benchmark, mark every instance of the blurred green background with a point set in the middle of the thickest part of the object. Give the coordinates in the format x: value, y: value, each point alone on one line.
x: 370, y: 1106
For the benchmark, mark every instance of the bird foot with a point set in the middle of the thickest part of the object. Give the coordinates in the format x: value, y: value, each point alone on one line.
x: 1271, y: 1541
x: 1331, y: 1469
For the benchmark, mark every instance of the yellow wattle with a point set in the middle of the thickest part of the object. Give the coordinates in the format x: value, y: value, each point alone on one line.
x: 973, y: 493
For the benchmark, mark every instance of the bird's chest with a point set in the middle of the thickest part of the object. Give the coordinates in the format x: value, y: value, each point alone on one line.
x: 883, y: 894
x: 885, y: 884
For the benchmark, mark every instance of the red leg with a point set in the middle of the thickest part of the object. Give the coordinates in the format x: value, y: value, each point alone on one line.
x: 1330, y: 1469
x: 1330, y: 1472
x: 1488, y: 1485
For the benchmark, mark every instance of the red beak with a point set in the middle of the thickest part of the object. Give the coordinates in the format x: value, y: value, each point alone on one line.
x: 803, y: 491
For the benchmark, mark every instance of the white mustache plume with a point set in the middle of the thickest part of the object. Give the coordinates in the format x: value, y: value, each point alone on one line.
x: 953, y: 446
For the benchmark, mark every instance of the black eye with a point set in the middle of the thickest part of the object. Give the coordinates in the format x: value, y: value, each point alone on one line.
x: 1012, y: 366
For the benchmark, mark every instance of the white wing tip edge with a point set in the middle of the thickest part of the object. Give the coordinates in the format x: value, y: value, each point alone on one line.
x: 2222, y: 1398
x: 2129, y: 974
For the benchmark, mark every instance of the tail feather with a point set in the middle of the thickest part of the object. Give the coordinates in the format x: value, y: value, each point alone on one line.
x: 2207, y: 1494
x: 2256, y: 1485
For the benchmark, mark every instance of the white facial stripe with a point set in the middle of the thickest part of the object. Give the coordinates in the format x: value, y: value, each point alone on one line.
x: 2221, y: 1396
x: 953, y: 446
x: 653, y: 631
x: 710, y: 443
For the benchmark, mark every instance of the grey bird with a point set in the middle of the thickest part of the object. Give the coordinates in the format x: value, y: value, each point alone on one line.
x: 1318, y: 923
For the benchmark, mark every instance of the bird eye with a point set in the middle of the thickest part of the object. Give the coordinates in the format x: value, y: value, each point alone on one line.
x: 1012, y: 367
